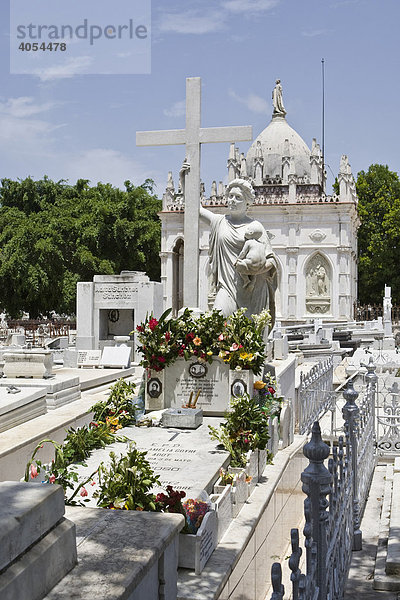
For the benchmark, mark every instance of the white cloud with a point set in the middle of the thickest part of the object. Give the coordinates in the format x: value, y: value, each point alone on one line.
x: 70, y: 68
x: 103, y: 164
x: 314, y: 33
x: 254, y: 103
x: 209, y: 20
x: 24, y: 106
x: 21, y: 131
x: 249, y: 6
x: 192, y: 22
x: 178, y: 109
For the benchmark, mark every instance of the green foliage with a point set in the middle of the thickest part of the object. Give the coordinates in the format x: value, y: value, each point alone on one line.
x: 76, y: 447
x: 378, y: 191
x: 126, y: 482
x: 245, y: 428
x: 238, y: 340
x: 53, y: 235
x: 79, y: 443
x: 119, y: 409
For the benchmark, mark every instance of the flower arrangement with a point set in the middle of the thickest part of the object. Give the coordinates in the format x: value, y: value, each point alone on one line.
x: 237, y: 340
x: 127, y: 481
x: 268, y: 399
x: 226, y: 477
x: 171, y: 502
x: 119, y: 409
x: 192, y: 510
x: 245, y: 428
x: 195, y: 511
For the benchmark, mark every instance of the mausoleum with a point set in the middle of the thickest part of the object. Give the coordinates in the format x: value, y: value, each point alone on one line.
x: 112, y: 305
x: 313, y: 235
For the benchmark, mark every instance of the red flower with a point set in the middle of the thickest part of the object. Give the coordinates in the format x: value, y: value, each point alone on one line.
x: 153, y: 324
x: 161, y: 359
x: 84, y: 492
x: 271, y: 390
x: 34, y: 471
x: 190, y: 337
x: 181, y: 352
x: 167, y: 336
x: 52, y: 478
x: 139, y: 328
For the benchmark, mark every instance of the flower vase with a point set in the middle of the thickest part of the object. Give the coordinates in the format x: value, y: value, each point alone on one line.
x: 223, y: 508
x: 240, y: 491
x: 195, y: 550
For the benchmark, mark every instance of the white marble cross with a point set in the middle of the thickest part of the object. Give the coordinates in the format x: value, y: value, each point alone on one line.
x: 192, y: 137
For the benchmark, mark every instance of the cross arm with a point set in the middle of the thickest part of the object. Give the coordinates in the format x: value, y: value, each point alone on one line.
x: 226, y: 134
x: 167, y: 137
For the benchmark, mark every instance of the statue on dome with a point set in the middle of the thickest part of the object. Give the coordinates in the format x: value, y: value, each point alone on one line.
x: 240, y: 277
x: 277, y: 100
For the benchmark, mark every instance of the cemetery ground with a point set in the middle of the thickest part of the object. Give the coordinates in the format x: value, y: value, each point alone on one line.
x: 187, y: 460
x: 135, y: 554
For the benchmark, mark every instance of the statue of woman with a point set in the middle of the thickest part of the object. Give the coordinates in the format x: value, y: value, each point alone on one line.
x: 227, y: 238
x: 277, y: 99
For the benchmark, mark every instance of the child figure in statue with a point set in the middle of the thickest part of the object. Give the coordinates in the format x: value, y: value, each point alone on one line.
x: 251, y: 261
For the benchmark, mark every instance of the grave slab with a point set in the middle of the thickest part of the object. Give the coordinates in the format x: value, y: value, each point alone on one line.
x: 60, y: 389
x: 22, y: 406
x: 116, y: 357
x: 187, y: 460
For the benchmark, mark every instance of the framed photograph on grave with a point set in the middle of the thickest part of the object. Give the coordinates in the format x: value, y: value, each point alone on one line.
x: 238, y: 388
x: 198, y: 370
x: 154, y: 387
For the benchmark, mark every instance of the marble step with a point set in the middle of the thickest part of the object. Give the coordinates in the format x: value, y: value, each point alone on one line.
x: 387, y: 565
x: 37, y: 544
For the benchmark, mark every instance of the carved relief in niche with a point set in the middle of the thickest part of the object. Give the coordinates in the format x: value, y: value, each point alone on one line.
x: 318, y: 285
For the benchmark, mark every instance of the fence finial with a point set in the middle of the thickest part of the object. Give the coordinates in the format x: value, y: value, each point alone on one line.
x: 276, y: 580
x: 316, y: 450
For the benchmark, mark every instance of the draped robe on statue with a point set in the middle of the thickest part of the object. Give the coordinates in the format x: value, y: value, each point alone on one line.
x: 226, y: 242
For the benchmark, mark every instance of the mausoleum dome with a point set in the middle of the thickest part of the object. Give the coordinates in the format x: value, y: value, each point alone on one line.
x: 279, y: 140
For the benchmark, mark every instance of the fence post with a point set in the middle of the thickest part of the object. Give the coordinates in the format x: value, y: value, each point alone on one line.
x: 276, y: 580
x: 294, y: 562
x: 350, y: 412
x: 371, y: 378
x: 316, y: 484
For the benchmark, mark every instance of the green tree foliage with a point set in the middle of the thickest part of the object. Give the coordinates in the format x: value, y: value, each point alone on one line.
x: 53, y: 235
x: 378, y: 191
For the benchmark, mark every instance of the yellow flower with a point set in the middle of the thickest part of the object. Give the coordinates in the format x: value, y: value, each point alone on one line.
x: 259, y: 385
x: 243, y: 355
x: 209, y: 353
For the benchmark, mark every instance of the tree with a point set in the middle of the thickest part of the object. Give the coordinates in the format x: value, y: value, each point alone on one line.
x: 378, y: 192
x: 53, y: 235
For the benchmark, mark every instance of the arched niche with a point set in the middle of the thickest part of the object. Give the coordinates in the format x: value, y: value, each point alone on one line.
x: 318, y: 276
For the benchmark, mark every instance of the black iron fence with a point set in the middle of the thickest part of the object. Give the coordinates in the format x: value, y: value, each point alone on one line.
x: 370, y: 312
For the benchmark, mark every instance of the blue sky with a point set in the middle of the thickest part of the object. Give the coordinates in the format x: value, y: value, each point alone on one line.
x: 85, y: 125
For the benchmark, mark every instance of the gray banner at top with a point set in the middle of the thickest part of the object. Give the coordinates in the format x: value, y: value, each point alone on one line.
x: 56, y: 38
